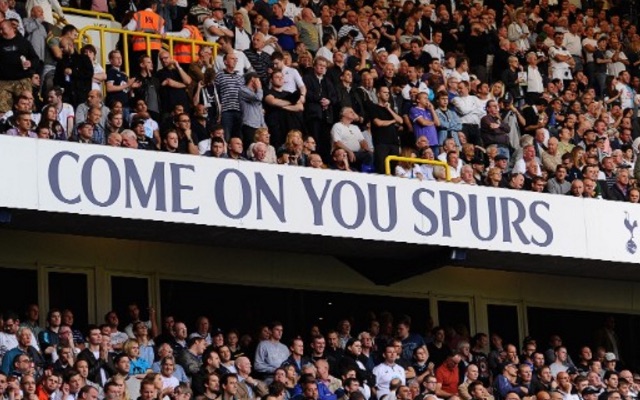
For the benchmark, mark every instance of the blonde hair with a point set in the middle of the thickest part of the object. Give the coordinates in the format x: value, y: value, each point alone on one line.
x: 290, y: 135
x: 259, y: 132
x: 406, y: 152
x: 128, y: 345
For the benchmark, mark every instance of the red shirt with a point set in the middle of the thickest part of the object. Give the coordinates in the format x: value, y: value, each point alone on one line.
x: 448, y: 378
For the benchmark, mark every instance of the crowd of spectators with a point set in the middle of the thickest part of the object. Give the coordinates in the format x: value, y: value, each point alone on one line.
x: 385, y: 361
x: 538, y: 95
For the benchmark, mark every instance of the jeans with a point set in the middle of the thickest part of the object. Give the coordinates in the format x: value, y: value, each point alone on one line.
x: 231, y: 121
x: 601, y: 82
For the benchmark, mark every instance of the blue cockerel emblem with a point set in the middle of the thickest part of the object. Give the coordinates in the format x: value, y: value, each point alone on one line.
x: 631, y: 245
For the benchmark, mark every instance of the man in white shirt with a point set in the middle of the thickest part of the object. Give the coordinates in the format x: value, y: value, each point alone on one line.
x: 627, y: 98
x: 434, y: 48
x: 226, y: 46
x: 573, y: 44
x: 414, y: 82
x: 470, y: 110
x: 528, y: 155
x: 347, y: 136
x: 214, y: 27
x: 619, y: 60
x: 561, y: 59
x: 387, y: 371
x: 535, y: 85
x: 292, y: 79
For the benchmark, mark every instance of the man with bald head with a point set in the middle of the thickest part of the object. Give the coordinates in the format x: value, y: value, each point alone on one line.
x: 94, y: 99
x: 309, y: 34
x: 259, y: 59
x: 551, y: 157
x: 74, y: 73
x: 36, y: 30
x: 249, y: 388
x: 173, y: 81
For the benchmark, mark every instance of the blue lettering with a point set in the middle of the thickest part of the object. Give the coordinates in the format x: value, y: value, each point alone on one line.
x: 113, y: 183
x: 424, y: 211
x: 392, y: 207
x: 544, y: 225
x: 177, y: 188
x: 132, y: 178
x: 246, y: 193
x: 337, y: 204
x: 263, y: 189
x: 507, y: 223
x: 54, y: 177
x: 446, y: 217
x: 493, y: 221
x: 316, y: 202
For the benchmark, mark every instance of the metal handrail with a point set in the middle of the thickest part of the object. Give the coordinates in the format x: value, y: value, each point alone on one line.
x: 387, y: 164
x: 89, y: 13
x: 148, y: 36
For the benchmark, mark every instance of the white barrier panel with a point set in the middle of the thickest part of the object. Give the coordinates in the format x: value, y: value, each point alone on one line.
x: 104, y: 181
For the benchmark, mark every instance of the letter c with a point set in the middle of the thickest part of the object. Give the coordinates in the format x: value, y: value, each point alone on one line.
x: 54, y: 177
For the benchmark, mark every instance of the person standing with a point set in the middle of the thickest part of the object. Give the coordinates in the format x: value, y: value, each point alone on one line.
x: 74, y: 74
x: 182, y: 52
x: 385, y: 122
x: 18, y: 56
x: 229, y: 83
x: 320, y: 99
x: 424, y: 119
x: 146, y: 20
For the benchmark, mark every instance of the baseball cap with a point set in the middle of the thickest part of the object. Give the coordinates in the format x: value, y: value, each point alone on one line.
x: 589, y: 390
x: 216, y: 332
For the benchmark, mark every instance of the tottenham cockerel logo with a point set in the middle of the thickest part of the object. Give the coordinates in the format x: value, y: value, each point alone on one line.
x: 632, y: 247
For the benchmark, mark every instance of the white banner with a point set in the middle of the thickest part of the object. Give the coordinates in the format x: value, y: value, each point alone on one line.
x: 103, y: 181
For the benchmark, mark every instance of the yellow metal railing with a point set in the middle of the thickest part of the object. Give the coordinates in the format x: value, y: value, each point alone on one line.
x: 387, y: 164
x: 88, y: 13
x: 84, y: 38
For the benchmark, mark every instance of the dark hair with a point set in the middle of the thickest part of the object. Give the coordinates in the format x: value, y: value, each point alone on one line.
x: 276, y: 388
x: 89, y: 47
x: 67, y: 28
x: 225, y: 378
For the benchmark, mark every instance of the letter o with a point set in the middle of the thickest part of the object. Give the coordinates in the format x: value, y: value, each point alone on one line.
x: 114, y: 180
x: 246, y: 193
x: 337, y: 205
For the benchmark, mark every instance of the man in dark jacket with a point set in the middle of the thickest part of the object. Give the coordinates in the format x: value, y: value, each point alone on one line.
x: 18, y: 57
x: 74, y: 73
